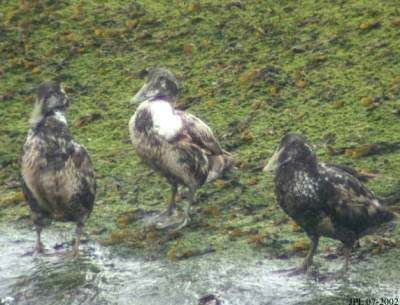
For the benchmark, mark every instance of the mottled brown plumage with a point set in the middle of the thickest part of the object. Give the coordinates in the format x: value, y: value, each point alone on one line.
x: 324, y: 199
x: 176, y: 144
x: 58, y: 178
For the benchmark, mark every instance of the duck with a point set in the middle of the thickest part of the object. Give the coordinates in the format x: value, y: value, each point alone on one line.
x: 324, y: 199
x: 57, y: 174
x: 174, y: 143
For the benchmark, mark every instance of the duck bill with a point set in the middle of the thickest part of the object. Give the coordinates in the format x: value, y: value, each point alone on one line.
x: 67, y: 100
x: 273, y: 163
x: 145, y: 93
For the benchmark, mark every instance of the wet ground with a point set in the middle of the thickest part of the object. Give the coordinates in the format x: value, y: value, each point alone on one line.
x: 107, y: 275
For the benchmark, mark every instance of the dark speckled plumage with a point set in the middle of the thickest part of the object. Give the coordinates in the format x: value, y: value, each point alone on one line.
x: 325, y: 200
x: 58, y: 178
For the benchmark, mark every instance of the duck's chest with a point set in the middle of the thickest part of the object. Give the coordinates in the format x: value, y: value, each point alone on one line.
x: 47, y: 146
x: 155, y: 119
x: 298, y: 190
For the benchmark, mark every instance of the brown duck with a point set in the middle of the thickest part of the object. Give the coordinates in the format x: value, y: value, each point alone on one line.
x: 57, y: 174
x: 176, y: 144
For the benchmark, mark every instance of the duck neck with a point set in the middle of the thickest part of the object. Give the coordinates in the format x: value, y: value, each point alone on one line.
x: 287, y: 170
x: 38, y: 118
x: 164, y: 98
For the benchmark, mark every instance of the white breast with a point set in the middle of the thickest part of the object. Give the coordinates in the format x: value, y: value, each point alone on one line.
x: 165, y: 122
x: 60, y: 116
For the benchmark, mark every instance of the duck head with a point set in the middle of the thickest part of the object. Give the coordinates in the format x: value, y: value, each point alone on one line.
x: 293, y: 148
x: 160, y: 84
x: 51, y: 98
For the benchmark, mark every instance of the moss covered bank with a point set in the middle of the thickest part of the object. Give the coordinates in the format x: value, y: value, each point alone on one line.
x: 253, y: 70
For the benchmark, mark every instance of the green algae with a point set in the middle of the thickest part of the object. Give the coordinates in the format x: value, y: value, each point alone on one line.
x: 288, y: 66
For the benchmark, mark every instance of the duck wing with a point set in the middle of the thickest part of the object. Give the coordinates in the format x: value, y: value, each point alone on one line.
x: 83, y: 163
x: 84, y: 170
x: 360, y: 176
x: 349, y: 203
x: 197, y: 132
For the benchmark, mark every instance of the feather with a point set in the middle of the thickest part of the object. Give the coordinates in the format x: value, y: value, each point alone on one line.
x: 200, y: 134
x: 350, y: 204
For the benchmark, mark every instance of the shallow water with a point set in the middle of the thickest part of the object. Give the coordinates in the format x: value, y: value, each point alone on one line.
x: 105, y: 275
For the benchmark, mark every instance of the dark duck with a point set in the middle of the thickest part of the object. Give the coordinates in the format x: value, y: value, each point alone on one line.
x: 58, y: 178
x: 176, y: 144
x: 324, y: 199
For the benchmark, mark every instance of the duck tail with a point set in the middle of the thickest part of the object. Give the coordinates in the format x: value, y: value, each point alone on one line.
x: 396, y: 218
x: 219, y: 165
x: 386, y: 221
x: 390, y: 200
x: 394, y: 222
x: 229, y: 160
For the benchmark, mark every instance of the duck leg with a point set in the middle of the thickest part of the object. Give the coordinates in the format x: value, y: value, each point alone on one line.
x: 169, y: 217
x: 78, y: 234
x: 39, y: 248
x: 309, y: 258
x: 37, y: 219
x: 191, y: 200
x: 347, y: 254
x: 172, y: 202
x: 341, y: 273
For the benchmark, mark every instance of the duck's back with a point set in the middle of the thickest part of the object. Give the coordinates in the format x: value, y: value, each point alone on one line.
x: 352, y: 208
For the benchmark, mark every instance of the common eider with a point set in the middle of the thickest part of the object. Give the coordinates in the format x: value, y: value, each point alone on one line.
x: 325, y: 200
x: 176, y: 144
x: 57, y: 173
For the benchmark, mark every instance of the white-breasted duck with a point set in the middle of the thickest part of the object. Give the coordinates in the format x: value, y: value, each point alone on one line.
x: 57, y: 173
x: 324, y: 199
x: 176, y: 144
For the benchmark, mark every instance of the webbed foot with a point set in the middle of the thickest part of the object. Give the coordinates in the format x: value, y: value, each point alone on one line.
x: 298, y: 271
x: 166, y: 220
x: 35, y: 252
x: 70, y: 254
x: 186, y: 220
x: 294, y: 271
x: 39, y: 249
